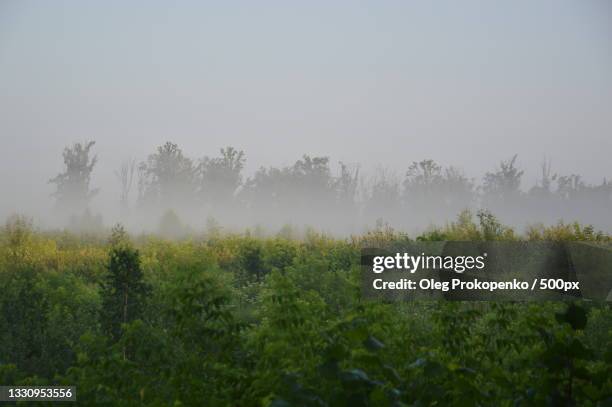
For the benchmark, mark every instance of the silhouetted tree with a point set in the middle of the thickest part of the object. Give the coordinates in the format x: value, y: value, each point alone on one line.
x: 304, y: 191
x: 73, y: 191
x: 439, y: 193
x: 502, y: 194
x: 544, y: 186
x: 504, y: 183
x: 125, y: 176
x: 221, y: 176
x: 570, y: 186
x: 346, y: 185
x: 167, y: 178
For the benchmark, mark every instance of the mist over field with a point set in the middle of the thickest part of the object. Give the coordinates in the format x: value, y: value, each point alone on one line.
x: 306, y: 203
x: 340, y: 117
x: 174, y: 195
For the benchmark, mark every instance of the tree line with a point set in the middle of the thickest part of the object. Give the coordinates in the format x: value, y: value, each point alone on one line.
x: 308, y: 192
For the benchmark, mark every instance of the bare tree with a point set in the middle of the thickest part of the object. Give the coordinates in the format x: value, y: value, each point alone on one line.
x: 125, y: 176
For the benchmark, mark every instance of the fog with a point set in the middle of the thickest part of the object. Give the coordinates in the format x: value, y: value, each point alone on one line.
x: 376, y: 86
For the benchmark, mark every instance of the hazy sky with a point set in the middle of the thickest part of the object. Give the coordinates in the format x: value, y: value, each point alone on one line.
x: 380, y: 83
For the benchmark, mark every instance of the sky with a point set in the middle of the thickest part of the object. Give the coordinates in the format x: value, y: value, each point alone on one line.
x: 380, y: 83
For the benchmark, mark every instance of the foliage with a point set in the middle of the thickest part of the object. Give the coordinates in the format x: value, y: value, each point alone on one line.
x: 123, y: 290
x: 246, y: 321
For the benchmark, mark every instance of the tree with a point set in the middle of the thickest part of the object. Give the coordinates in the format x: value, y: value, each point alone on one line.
x: 313, y: 174
x: 221, y: 176
x: 167, y: 177
x: 547, y: 178
x: 252, y: 260
x: 125, y: 176
x: 73, y: 192
x: 501, y: 192
x: 570, y: 186
x: 505, y: 182
x: 123, y: 290
x: 346, y: 185
x: 304, y: 191
x: 436, y: 191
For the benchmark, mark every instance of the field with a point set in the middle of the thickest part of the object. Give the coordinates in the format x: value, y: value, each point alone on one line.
x: 244, y: 320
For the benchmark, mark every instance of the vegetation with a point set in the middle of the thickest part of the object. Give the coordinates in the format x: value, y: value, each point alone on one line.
x: 315, y: 191
x: 235, y: 320
x: 73, y: 192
